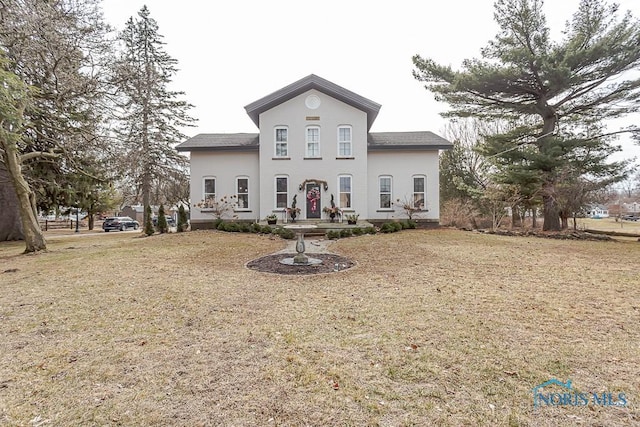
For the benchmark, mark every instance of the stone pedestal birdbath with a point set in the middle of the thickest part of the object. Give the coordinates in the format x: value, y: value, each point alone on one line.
x: 301, y: 258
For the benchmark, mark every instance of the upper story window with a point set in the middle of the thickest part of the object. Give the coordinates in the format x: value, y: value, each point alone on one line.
x: 282, y: 192
x: 344, y: 141
x: 385, y: 192
x: 313, y: 142
x: 419, y: 191
x: 282, y: 141
x: 242, y: 193
x: 209, y: 186
x: 344, y: 181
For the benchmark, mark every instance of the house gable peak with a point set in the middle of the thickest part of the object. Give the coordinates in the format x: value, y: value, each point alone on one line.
x: 305, y: 84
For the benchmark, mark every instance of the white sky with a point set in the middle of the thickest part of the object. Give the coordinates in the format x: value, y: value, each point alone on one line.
x: 233, y: 52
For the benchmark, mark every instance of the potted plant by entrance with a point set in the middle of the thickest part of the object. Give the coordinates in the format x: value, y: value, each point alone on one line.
x: 333, y: 211
x: 352, y: 219
x: 272, y: 219
x: 293, y: 211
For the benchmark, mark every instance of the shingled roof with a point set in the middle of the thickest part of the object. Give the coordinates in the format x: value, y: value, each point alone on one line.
x: 422, y: 140
x: 318, y: 83
x: 376, y: 141
x: 221, y: 142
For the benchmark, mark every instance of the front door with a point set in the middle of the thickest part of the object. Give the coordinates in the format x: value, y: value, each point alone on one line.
x: 314, y: 207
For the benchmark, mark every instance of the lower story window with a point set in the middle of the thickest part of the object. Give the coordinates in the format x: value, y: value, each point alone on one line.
x: 385, y: 192
x: 345, y: 191
x: 209, y: 189
x: 282, y: 194
x: 419, y: 192
x: 242, y: 192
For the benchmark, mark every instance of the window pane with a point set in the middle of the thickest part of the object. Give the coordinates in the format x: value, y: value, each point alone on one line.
x: 281, y: 149
x: 385, y: 185
x: 344, y: 134
x: 281, y: 200
x: 281, y: 135
x: 209, y: 186
x: 243, y: 201
x: 385, y: 200
x: 243, y: 185
x: 345, y: 149
x: 345, y: 200
x: 281, y: 185
x: 418, y: 185
x: 345, y: 184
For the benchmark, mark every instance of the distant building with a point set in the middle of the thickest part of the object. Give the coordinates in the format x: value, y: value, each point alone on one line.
x: 597, y: 211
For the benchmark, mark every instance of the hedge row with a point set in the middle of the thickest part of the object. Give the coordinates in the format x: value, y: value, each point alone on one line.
x: 285, y: 233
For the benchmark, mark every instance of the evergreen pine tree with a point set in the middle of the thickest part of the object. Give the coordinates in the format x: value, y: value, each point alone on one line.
x: 162, y: 221
x: 558, y: 92
x: 148, y: 222
x: 183, y: 221
x: 151, y: 115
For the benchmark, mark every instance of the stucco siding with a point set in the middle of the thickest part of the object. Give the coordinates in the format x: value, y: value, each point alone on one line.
x: 402, y: 167
x: 296, y: 116
x: 225, y: 167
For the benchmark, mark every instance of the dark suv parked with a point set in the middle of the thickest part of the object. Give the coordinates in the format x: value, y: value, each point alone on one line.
x: 121, y: 223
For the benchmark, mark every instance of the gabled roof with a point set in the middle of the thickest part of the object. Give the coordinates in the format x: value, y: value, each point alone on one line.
x: 423, y: 140
x: 221, y: 142
x: 318, y: 83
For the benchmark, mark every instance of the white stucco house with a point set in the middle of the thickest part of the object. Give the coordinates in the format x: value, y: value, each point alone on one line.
x: 314, y: 142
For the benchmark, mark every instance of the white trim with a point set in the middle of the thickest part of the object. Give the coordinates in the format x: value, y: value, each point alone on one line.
x: 284, y: 143
x: 275, y: 192
x: 423, y: 192
x: 350, y: 141
x: 238, y: 207
x: 307, y: 153
x: 350, y: 192
x: 204, y: 187
x: 380, y: 193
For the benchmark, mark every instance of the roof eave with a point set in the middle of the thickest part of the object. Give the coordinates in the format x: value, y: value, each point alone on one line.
x: 230, y: 148
x: 409, y: 147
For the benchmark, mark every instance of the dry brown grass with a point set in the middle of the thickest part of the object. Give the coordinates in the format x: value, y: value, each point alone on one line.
x: 431, y: 328
x: 609, y: 224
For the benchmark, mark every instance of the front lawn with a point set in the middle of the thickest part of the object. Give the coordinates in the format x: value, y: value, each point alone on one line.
x: 432, y: 327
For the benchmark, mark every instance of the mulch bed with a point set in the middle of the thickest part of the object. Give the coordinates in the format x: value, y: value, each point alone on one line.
x: 562, y: 235
x: 271, y: 264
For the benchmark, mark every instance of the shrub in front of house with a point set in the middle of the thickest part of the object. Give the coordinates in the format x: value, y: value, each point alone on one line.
x: 285, y: 233
x: 387, y: 227
x: 346, y: 232
x: 333, y: 234
x: 266, y: 229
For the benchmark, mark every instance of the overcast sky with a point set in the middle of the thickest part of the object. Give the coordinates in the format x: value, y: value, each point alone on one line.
x: 231, y: 53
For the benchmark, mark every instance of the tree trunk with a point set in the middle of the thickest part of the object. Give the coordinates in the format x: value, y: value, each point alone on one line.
x: 551, y: 209
x: 565, y: 220
x: 10, y: 224
x: 33, y: 236
x: 534, y: 218
x: 551, y: 214
x: 516, y: 218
